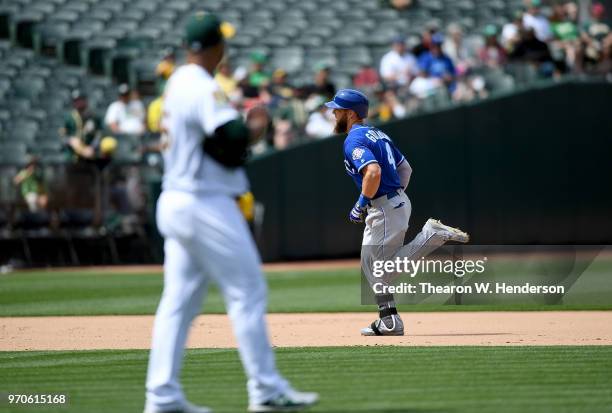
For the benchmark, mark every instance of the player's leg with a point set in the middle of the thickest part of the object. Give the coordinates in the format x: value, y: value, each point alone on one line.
x: 233, y: 262
x: 433, y: 235
x: 184, y: 288
x: 384, y: 233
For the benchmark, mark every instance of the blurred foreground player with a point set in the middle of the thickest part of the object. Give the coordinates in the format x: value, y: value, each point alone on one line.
x: 206, y: 237
x: 382, y: 174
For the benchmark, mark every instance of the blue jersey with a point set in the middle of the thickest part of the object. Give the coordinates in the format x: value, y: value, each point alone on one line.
x: 365, y: 145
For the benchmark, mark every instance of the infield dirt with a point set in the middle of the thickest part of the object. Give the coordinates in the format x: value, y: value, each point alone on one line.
x: 317, y: 329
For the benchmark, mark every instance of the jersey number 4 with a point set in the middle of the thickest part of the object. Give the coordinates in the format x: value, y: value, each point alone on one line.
x: 390, y: 155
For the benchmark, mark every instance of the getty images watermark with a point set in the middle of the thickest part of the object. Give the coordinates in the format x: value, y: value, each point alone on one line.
x: 391, y: 269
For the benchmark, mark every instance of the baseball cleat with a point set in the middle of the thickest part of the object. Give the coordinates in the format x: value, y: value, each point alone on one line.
x: 452, y: 234
x: 391, y: 325
x: 289, y: 401
x: 187, y: 408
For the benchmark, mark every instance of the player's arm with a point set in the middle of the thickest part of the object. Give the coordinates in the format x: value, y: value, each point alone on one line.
x: 363, y: 161
x: 80, y: 148
x: 404, y: 170
x: 371, y: 179
x: 371, y: 174
x: 228, y: 135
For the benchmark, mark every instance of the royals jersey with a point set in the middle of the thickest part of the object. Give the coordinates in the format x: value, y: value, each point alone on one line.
x: 365, y: 145
x: 195, y: 106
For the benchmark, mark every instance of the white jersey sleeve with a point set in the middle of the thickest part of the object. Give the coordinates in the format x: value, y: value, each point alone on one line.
x: 215, y: 109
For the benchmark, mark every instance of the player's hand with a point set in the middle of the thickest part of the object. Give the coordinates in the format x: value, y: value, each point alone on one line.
x: 357, y: 214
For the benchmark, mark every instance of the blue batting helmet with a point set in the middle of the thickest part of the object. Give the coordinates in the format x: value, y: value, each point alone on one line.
x: 350, y: 99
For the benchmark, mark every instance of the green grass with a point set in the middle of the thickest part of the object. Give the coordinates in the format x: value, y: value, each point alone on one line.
x: 90, y: 293
x: 95, y: 294
x: 355, y: 379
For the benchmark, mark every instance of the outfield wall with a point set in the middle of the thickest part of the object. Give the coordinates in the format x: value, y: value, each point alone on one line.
x: 530, y: 167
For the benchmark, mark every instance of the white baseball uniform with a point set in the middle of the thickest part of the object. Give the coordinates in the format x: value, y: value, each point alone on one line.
x: 206, y: 238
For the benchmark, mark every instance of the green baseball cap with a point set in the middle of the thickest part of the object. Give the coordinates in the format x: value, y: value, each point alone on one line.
x: 490, y: 30
x: 258, y: 57
x: 205, y: 30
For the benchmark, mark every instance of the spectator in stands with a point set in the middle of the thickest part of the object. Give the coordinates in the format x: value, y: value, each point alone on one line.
x: 82, y: 129
x: 322, y: 85
x: 245, y: 90
x: 455, y: 48
x: 398, y: 66
x: 424, y: 86
x: 389, y: 106
x: 295, y: 108
x: 126, y: 115
x: 284, y: 130
x: 532, y: 50
x: 257, y: 76
x: 400, y: 4
x: 280, y: 88
x: 154, y: 114
x: 165, y: 68
x: 469, y: 87
x: 225, y: 79
x: 436, y: 64
x: 367, y: 78
x: 595, y: 27
x: 425, y: 42
x: 492, y: 54
x: 565, y: 32
x: 320, y: 123
x: 592, y: 36
x: 534, y: 19
x: 604, y: 66
x: 31, y: 183
x: 563, y: 27
x: 511, y: 32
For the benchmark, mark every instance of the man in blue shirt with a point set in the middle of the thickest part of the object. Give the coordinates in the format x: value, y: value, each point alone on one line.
x: 437, y: 64
x: 382, y: 173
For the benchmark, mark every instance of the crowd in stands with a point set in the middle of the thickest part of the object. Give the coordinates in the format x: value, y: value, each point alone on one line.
x: 417, y: 73
x: 441, y: 66
x: 438, y: 66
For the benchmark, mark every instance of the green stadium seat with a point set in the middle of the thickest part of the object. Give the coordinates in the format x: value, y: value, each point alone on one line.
x: 13, y: 153
x: 146, y: 7
x: 68, y: 48
x: 64, y: 16
x: 355, y: 56
x: 47, y: 35
x: 77, y: 7
x: 274, y: 41
x: 308, y: 41
x: 6, y: 13
x: 142, y: 75
x: 381, y: 37
x: 29, y: 87
x: 243, y: 40
x: 44, y: 7
x: 95, y: 55
x: 306, y: 6
x: 103, y: 15
x: 114, y: 7
x: 179, y: 6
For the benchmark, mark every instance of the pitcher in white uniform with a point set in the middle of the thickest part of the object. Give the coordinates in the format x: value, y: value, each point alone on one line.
x: 206, y: 237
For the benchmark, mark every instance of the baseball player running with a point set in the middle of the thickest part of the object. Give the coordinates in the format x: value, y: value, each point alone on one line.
x: 206, y: 237
x: 382, y: 174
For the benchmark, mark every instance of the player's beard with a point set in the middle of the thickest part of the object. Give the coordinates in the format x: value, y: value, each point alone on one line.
x: 341, y: 125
